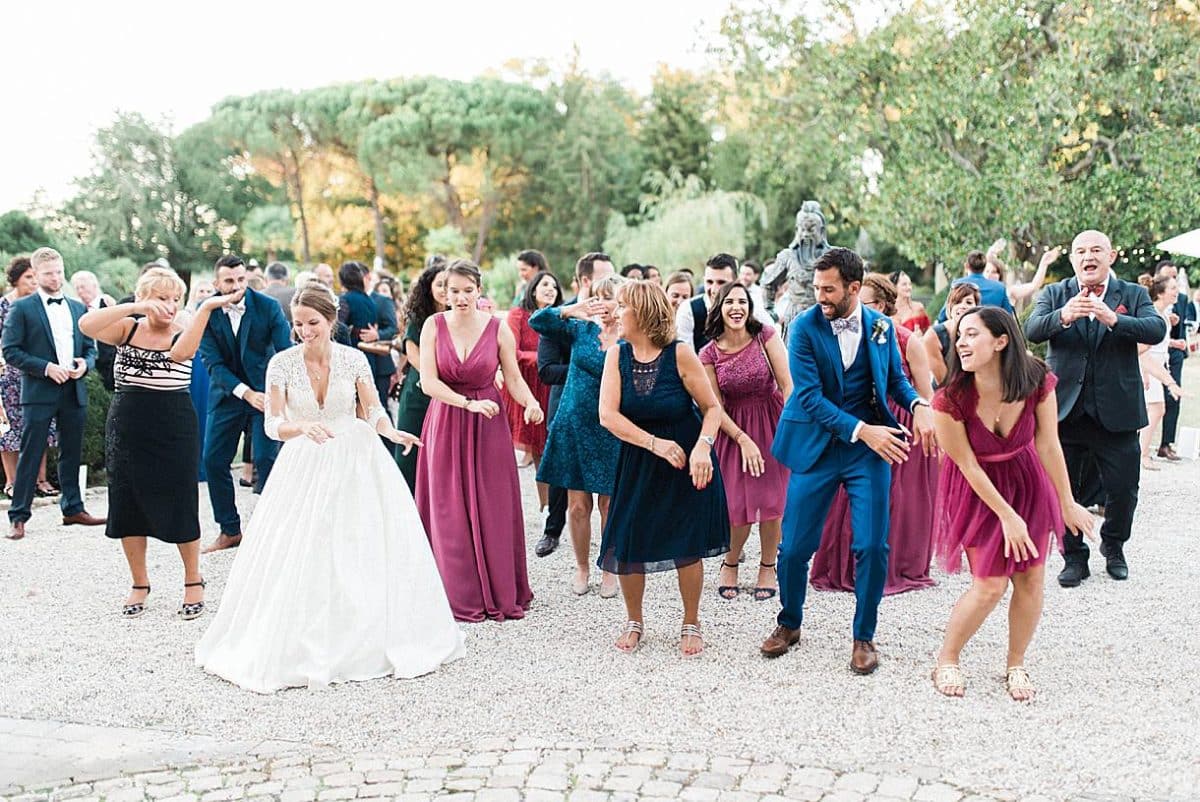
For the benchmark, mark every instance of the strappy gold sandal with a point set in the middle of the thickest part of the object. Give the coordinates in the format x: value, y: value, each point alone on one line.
x: 631, y: 627
x: 691, y: 631
x: 1017, y: 680
x: 948, y: 676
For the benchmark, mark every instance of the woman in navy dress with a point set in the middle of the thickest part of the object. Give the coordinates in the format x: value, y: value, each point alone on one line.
x: 661, y: 516
x: 580, y: 454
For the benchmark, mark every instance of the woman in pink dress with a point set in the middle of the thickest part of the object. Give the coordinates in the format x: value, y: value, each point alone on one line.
x: 1003, y: 491
x: 914, y: 483
x: 467, y: 489
x: 542, y: 291
x: 747, y: 365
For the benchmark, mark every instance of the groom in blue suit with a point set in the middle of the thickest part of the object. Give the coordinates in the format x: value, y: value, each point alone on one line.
x: 237, y: 344
x: 836, y: 429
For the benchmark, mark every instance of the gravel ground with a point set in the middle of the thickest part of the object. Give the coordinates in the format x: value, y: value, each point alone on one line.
x: 1109, y: 719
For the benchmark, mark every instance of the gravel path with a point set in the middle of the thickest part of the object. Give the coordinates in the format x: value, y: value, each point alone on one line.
x: 1109, y: 719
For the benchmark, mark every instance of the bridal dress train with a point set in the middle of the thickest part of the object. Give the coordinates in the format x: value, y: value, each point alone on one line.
x: 334, y: 580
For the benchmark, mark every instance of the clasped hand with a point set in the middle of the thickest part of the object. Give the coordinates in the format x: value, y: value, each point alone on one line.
x: 317, y: 432
x: 1083, y: 305
x: 60, y: 375
x: 885, y: 441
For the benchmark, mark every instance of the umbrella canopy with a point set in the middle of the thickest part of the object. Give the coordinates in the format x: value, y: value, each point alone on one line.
x: 1184, y: 245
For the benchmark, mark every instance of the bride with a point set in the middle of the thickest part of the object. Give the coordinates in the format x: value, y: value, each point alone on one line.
x: 334, y: 580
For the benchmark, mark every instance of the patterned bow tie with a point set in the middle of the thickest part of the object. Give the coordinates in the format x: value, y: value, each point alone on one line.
x: 841, y: 324
x: 238, y: 308
x: 1095, y: 290
x: 54, y: 300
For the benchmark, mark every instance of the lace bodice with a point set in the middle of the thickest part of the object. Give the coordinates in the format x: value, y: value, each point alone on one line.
x: 349, y: 375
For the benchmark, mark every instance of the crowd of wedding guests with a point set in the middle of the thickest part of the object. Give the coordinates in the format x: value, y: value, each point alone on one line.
x: 863, y: 442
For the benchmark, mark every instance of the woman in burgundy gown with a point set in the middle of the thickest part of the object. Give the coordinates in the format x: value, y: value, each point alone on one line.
x: 1003, y: 491
x: 742, y: 359
x: 467, y: 489
x: 914, y: 483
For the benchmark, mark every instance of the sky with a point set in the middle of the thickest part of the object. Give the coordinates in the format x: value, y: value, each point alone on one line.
x: 70, y: 66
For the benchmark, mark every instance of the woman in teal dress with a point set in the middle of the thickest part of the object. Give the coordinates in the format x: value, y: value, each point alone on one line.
x: 580, y: 454
x: 428, y: 297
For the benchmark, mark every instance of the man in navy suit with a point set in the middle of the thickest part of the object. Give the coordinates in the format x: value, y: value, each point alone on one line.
x: 1093, y: 323
x: 386, y: 329
x: 238, y: 343
x: 42, y: 339
x: 836, y: 429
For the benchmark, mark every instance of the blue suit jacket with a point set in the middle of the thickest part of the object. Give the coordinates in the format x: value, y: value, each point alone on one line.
x: 231, y: 361
x: 385, y: 320
x: 28, y: 346
x: 813, y: 415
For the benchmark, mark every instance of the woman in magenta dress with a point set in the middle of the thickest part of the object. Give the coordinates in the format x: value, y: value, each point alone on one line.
x: 542, y: 291
x: 746, y: 363
x: 914, y: 483
x: 467, y: 489
x: 1003, y: 491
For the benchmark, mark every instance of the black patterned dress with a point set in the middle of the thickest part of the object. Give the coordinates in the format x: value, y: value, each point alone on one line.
x: 153, y: 446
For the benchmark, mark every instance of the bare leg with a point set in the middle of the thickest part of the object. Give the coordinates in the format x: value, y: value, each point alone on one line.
x: 543, y: 489
x: 728, y: 577
x: 1154, y: 414
x: 135, y: 555
x: 579, y: 521
x: 41, y: 480
x: 769, y: 534
x: 9, y: 458
x: 691, y: 581
x: 1024, y: 612
x: 633, y: 589
x: 190, y: 554
x: 969, y: 613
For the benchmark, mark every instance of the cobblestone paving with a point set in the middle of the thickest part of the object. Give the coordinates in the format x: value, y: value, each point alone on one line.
x: 502, y: 770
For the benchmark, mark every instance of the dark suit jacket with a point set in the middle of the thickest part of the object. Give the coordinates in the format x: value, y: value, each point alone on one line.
x: 813, y: 415
x: 385, y: 320
x: 28, y: 346
x: 1113, y: 353
x: 231, y: 361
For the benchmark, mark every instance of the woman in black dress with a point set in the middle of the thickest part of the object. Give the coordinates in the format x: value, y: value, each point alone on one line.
x: 661, y: 517
x: 152, y: 435
x: 427, y: 297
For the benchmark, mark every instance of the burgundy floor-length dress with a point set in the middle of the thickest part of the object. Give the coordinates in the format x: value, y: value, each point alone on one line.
x: 468, y: 494
x: 914, y: 491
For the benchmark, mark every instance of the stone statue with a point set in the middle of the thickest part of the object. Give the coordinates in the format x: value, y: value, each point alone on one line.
x: 794, y: 263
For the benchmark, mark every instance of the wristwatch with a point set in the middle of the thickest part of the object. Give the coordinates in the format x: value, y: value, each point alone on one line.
x: 710, y: 440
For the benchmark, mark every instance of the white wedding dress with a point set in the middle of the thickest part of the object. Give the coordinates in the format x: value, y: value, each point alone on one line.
x: 334, y: 580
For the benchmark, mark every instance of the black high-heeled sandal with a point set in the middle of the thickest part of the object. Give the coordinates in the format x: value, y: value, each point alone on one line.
x: 731, y: 590
x: 761, y: 593
x: 189, y: 610
x: 134, y: 610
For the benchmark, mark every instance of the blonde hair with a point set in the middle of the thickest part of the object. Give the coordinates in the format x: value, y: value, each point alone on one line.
x: 43, y: 256
x: 159, y: 278
x: 608, y: 286
x: 651, y: 310
x: 316, y: 296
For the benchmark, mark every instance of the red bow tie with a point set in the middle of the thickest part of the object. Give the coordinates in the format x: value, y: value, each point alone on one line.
x: 1095, y: 290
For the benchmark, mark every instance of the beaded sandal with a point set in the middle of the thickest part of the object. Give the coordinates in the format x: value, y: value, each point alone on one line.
x: 189, y: 610
x: 630, y: 628
x: 1017, y: 681
x: 949, y: 676
x: 134, y: 610
x: 728, y: 592
x: 691, y: 631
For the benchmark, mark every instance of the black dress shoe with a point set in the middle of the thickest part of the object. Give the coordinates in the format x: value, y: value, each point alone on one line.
x: 546, y: 545
x: 1073, y: 573
x: 1114, y: 563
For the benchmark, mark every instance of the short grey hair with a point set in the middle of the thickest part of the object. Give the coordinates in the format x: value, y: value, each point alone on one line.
x: 277, y: 271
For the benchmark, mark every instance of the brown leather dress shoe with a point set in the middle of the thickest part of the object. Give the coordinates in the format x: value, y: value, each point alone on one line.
x: 864, y: 660
x: 779, y: 641
x: 84, y: 518
x: 1168, y: 453
x: 17, y: 530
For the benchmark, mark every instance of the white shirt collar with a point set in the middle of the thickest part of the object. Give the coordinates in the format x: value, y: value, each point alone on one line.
x: 857, y: 313
x: 47, y: 296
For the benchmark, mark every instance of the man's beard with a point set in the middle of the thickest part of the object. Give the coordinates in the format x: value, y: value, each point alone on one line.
x: 839, y: 309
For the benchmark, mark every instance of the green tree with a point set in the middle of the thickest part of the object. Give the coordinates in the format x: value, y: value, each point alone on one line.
x: 269, y: 229
x: 676, y: 132
x: 20, y: 233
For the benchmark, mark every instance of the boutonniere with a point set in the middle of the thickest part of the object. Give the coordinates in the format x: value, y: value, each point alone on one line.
x: 1121, y: 310
x: 879, y: 332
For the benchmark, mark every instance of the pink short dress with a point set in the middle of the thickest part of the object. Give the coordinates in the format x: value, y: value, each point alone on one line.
x: 963, y: 523
x: 752, y: 399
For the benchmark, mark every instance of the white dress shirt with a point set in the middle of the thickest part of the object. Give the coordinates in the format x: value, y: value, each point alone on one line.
x: 235, y: 312
x: 62, y: 326
x: 849, y: 341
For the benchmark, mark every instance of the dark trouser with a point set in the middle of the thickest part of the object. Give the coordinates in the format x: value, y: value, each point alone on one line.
x: 1170, y: 423
x: 382, y: 384
x: 867, y: 479
x: 556, y: 513
x: 71, y: 418
x: 226, y: 421
x: 1117, y: 458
